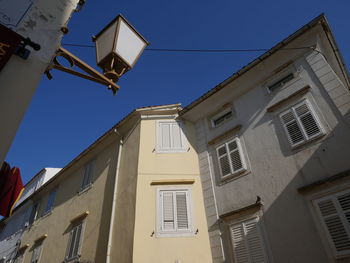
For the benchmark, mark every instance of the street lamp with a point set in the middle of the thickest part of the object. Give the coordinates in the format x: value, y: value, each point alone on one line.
x: 118, y: 47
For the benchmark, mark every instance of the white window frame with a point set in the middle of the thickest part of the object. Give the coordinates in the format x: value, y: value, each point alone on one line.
x: 171, y: 149
x: 88, y: 173
x: 242, y: 223
x: 75, y: 225
x: 242, y: 157
x: 300, y: 125
x: 160, y: 231
x: 40, y: 247
x: 340, y: 214
x: 219, y: 115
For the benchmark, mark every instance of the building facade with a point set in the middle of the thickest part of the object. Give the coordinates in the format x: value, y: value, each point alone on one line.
x: 273, y: 144
x: 133, y: 196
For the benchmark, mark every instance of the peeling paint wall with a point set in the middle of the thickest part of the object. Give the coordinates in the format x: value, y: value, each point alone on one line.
x: 19, y: 79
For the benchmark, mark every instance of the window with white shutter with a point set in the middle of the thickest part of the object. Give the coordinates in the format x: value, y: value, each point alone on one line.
x: 75, y: 240
x: 50, y: 202
x: 334, y: 212
x: 230, y: 158
x: 88, y: 173
x: 36, y: 253
x: 301, y: 123
x: 174, y: 211
x: 247, y: 242
x: 170, y: 137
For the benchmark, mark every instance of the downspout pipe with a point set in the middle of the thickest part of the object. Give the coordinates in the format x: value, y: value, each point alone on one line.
x: 115, y: 192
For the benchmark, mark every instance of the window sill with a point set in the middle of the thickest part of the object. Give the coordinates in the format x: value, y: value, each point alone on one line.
x: 46, y: 214
x: 305, y: 144
x: 173, y: 151
x: 73, y: 259
x: 87, y: 188
x: 229, y: 178
x: 189, y: 233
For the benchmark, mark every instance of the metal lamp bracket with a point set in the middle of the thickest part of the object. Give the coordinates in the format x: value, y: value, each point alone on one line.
x: 91, y: 73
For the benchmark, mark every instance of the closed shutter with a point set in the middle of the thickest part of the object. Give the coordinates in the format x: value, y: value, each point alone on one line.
x: 170, y: 136
x: 88, y: 172
x: 230, y: 158
x: 307, y: 120
x: 175, y: 214
x: 292, y: 127
x: 300, y: 123
x: 335, y: 214
x: 75, y: 241
x: 182, y: 211
x: 168, y: 211
x: 247, y: 242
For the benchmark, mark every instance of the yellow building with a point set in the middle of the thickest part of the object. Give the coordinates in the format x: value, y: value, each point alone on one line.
x: 134, y: 195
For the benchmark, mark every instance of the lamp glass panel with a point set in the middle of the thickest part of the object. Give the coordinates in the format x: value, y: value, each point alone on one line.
x: 104, y: 43
x: 129, y: 45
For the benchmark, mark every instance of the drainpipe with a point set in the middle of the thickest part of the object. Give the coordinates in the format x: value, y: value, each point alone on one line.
x: 110, y: 234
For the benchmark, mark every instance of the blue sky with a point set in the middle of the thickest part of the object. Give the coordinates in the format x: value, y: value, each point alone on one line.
x: 67, y: 113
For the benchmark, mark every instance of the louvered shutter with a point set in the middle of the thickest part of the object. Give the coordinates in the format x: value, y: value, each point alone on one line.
x: 335, y: 214
x: 235, y: 155
x: 168, y: 219
x: 176, y: 136
x: 247, y: 242
x: 224, y: 162
x: 165, y: 129
x: 300, y: 123
x: 307, y: 120
x: 230, y: 158
x: 182, y: 211
x: 291, y: 125
x: 240, y: 250
x: 170, y: 136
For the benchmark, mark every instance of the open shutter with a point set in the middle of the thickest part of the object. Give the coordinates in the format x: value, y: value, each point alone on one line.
x: 336, y: 224
x: 168, y: 222
x: 182, y: 211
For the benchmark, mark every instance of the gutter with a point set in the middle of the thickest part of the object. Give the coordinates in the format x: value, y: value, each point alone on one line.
x: 115, y: 192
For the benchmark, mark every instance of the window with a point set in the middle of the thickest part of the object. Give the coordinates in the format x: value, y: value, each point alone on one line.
x: 19, y: 257
x: 34, y: 212
x: 221, y: 117
x: 279, y: 83
x: 36, y: 253
x: 174, y: 211
x: 170, y: 137
x: 334, y: 212
x: 247, y: 242
x: 50, y: 202
x: 301, y: 123
x: 88, y: 172
x: 230, y: 158
x: 75, y: 240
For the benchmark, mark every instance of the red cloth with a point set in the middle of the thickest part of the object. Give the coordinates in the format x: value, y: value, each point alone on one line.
x: 11, y: 188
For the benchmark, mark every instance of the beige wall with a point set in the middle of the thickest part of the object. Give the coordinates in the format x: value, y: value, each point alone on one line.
x: 167, y: 166
x: 69, y: 204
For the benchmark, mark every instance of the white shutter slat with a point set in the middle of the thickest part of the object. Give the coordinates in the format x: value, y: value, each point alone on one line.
x: 334, y: 225
x: 176, y: 140
x: 181, y: 209
x: 239, y: 248
x: 236, y: 160
x: 165, y: 135
x: 254, y: 242
x: 168, y: 211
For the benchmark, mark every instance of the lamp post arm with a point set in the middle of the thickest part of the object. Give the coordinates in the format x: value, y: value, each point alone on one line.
x: 92, y: 74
